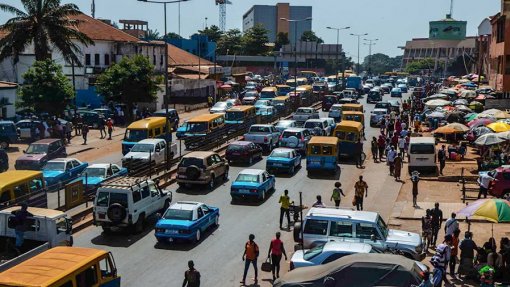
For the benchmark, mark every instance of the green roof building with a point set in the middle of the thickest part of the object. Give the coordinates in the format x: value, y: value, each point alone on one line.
x: 447, y: 29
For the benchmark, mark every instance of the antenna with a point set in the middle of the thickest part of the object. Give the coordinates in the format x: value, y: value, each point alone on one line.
x: 451, y: 8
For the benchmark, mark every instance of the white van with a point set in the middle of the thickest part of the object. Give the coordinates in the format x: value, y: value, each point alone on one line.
x: 422, y: 153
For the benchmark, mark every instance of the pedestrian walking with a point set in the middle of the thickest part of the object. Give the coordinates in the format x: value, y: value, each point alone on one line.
x: 415, y: 178
x: 276, y: 249
x: 20, y: 225
x: 318, y: 203
x: 337, y: 194
x: 455, y: 251
x: 392, y: 154
x: 381, y: 145
x: 84, y: 133
x: 284, y: 208
x: 440, y: 260
x: 358, y: 150
x: 398, y: 163
x: 101, y: 126
x: 437, y: 220
x: 484, y: 180
x: 467, y: 255
x: 451, y: 224
x: 109, y: 125
x: 441, y: 156
x: 250, y: 255
x: 374, y: 148
x: 426, y: 229
x: 360, y: 190
x: 402, y: 146
x: 191, y: 276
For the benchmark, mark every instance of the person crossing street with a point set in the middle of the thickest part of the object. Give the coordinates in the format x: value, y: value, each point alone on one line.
x: 284, y: 208
x: 360, y: 190
x: 250, y: 255
x: 337, y: 194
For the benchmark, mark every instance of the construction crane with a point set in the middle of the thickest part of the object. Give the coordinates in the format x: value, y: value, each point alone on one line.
x: 223, y: 12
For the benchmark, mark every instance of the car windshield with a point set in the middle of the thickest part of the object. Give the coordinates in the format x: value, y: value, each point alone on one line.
x: 280, y: 154
x: 234, y: 116
x: 263, y: 111
x: 220, y: 105
x: 312, y: 253
x: 142, y: 148
x: 197, y: 127
x: 37, y: 149
x: 261, y: 103
x: 247, y: 178
x: 105, y: 199
x: 266, y: 94
x: 382, y: 226
x: 259, y: 129
x: 55, y: 165
x: 189, y: 161
x: 422, y: 149
x: 135, y: 135
x: 381, y: 106
x: 311, y: 125
x: 335, y: 108
x: 178, y: 214
x: 250, y: 94
x: 94, y: 172
x: 304, y: 111
x: 379, y: 112
x: 283, y: 124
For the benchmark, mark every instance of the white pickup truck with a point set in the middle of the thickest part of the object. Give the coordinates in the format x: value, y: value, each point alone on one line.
x: 264, y: 135
x: 148, y: 150
x: 45, y: 229
x: 303, y: 114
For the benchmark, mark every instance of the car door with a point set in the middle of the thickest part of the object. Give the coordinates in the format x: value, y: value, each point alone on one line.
x: 219, y: 165
x: 78, y: 167
x: 155, y: 199
x: 209, y: 218
x: 364, y: 232
x: 201, y: 222
x: 145, y: 205
x: 160, y: 154
x: 113, y: 170
x: 267, y: 181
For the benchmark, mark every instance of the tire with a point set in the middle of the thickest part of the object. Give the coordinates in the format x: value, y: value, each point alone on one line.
x: 299, y: 164
x: 263, y: 196
x: 161, y: 240
x: 116, y: 213
x: 138, y: 227
x: 225, y: 176
x: 250, y: 161
x: 198, y: 236
x: 211, y: 183
x: 216, y: 220
x: 291, y: 170
x: 297, y: 232
x: 4, y: 144
x: 192, y: 172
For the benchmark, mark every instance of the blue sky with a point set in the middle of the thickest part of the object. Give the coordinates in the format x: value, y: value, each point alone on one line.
x: 392, y: 22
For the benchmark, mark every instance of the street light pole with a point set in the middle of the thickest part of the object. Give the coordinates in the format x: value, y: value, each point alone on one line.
x: 295, y: 44
x: 168, y: 89
x: 359, y: 37
x: 337, y: 52
x: 370, y: 43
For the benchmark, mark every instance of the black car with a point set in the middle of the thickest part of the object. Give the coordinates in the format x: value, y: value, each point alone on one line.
x: 4, y: 160
x: 374, y: 96
x: 173, y: 117
x: 243, y: 151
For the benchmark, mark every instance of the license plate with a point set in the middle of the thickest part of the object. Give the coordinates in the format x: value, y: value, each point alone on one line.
x: 182, y: 176
x: 171, y: 231
x: 244, y: 190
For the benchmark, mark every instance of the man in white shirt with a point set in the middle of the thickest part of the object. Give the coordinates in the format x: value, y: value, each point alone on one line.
x: 451, y: 225
x: 392, y: 154
x: 402, y: 146
x: 484, y: 181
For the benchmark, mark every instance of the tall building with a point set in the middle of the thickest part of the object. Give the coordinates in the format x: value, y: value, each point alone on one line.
x: 499, y: 50
x: 269, y: 16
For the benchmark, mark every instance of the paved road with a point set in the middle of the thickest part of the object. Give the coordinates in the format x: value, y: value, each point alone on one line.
x: 143, y: 262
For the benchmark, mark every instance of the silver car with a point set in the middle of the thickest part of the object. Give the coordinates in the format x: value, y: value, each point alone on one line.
x: 220, y: 107
x: 285, y: 124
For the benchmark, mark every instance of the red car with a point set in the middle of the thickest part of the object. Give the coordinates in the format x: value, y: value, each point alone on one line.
x: 243, y: 151
x: 501, y: 186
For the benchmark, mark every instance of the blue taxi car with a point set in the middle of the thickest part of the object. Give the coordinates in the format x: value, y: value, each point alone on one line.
x: 186, y: 220
x: 60, y: 171
x: 252, y: 183
x: 97, y: 173
x: 283, y: 160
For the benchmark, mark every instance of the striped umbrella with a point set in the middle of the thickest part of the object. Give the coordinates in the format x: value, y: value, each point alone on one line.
x: 490, y: 209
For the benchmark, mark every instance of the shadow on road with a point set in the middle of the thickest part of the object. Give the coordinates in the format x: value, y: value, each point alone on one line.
x: 324, y: 175
x: 252, y: 201
x: 198, y: 189
x: 185, y: 245
x: 124, y: 237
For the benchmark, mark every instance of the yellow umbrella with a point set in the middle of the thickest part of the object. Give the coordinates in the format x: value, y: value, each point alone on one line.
x: 499, y: 127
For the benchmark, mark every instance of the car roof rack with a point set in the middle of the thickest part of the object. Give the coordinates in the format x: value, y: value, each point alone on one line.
x: 125, y: 182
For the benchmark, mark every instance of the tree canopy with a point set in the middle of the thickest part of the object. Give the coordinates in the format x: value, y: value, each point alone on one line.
x: 172, y: 35
x: 255, y: 40
x: 282, y: 39
x: 130, y: 81
x: 380, y: 63
x: 214, y: 33
x: 48, y: 25
x: 310, y: 36
x: 151, y: 35
x: 415, y: 67
x: 230, y: 42
x: 46, y: 88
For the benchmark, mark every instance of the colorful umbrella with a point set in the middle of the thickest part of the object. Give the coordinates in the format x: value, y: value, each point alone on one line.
x: 460, y: 102
x: 488, y: 139
x: 437, y: 103
x: 452, y: 129
x: 495, y: 113
x: 226, y: 87
x: 480, y: 122
x: 504, y: 135
x: 470, y: 117
x: 438, y: 115
x: 479, y: 131
x: 491, y: 209
x: 499, y: 127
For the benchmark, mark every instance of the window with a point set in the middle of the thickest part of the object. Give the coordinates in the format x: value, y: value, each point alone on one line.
x: 97, y: 61
x: 35, y: 185
x: 318, y: 227
x: 157, y: 131
x: 200, y: 213
x: 106, y: 268
x: 341, y: 229
x: 87, y: 278
x: 210, y: 161
x: 334, y: 257
x: 87, y: 59
x: 365, y: 231
x: 69, y: 166
x: 217, y: 159
x: 107, y: 59
x: 154, y: 190
x: 136, y: 196
x: 75, y: 163
x: 145, y: 192
x: 161, y: 60
x: 500, y: 29
x: 115, y: 169
x: 20, y: 191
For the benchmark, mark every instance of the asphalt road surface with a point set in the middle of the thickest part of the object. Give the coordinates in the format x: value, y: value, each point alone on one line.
x: 141, y: 261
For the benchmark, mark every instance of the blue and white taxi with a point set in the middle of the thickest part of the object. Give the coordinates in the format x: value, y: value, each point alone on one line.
x: 252, y: 183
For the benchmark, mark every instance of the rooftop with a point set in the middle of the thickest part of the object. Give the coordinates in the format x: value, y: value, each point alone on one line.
x: 252, y: 171
x: 351, y: 214
x: 99, y: 31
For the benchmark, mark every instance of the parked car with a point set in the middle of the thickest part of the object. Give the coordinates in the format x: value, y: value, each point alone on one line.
x: 252, y: 183
x: 285, y: 124
x: 243, y: 151
x: 8, y: 134
x: 173, y: 117
x: 250, y: 97
x: 186, y: 220
x: 501, y: 186
x: 327, y: 252
x: 27, y: 129
x: 4, y: 160
x: 318, y: 127
x: 303, y: 114
x: 39, y: 152
x: 220, y: 107
x: 264, y: 135
x: 58, y: 172
x: 202, y: 167
x: 283, y: 159
x: 127, y: 202
x: 396, y: 92
x: 295, y: 138
x: 403, y: 88
x: 376, y: 116
x: 97, y: 173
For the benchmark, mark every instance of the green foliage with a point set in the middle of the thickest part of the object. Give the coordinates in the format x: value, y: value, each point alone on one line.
x: 46, y: 88
x: 152, y: 35
x: 46, y: 24
x: 415, y: 67
x: 230, y: 43
x: 282, y: 39
x: 255, y: 40
x: 214, y: 33
x: 380, y: 63
x: 172, y: 35
x: 310, y: 36
x: 130, y: 81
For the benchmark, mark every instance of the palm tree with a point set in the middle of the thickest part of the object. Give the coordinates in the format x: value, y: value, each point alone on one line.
x: 45, y: 23
x: 151, y: 35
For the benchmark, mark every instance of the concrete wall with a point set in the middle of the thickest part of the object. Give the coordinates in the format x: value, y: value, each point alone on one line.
x: 10, y: 110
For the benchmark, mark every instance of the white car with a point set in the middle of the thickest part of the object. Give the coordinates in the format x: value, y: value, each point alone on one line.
x: 148, y: 151
x: 220, y: 107
x: 328, y: 252
x: 285, y: 124
x: 318, y: 127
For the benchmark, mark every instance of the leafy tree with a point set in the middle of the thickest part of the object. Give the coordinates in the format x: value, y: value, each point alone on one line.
x: 46, y: 24
x: 282, y: 39
x: 151, y: 35
x: 230, y: 43
x: 254, y: 41
x: 214, y: 33
x: 130, y: 81
x: 310, y: 36
x: 172, y: 35
x: 417, y: 66
x: 380, y: 63
x: 46, y: 88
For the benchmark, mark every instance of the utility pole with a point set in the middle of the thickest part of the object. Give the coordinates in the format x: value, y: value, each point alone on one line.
x: 370, y: 43
x: 93, y: 8
x: 295, y: 44
x: 338, y: 52
x: 359, y: 37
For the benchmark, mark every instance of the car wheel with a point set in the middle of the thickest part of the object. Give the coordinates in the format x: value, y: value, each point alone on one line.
x: 216, y: 220
x: 263, y: 195
x: 299, y: 164
x: 181, y: 184
x: 139, y: 224
x: 225, y: 175
x: 4, y: 144
x: 211, y: 182
x: 291, y: 170
x: 198, y: 236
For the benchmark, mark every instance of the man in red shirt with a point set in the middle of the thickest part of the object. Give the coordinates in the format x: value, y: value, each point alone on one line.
x: 276, y: 250
x: 250, y: 255
x: 109, y: 124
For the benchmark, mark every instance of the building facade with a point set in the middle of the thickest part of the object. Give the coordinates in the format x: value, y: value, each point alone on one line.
x: 269, y: 16
x: 198, y: 45
x: 499, y: 50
